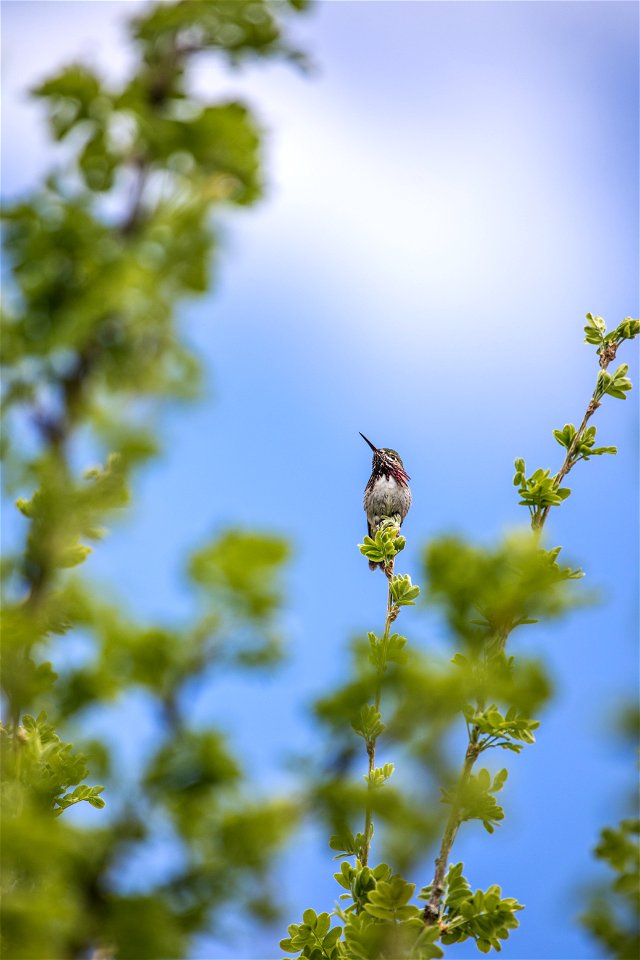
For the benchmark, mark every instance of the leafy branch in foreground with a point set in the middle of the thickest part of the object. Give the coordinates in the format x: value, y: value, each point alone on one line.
x: 100, y: 256
x: 414, y: 700
x: 47, y: 767
x: 612, y: 916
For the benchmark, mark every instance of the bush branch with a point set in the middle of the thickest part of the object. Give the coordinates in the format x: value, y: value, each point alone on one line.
x: 392, y: 612
x: 607, y: 353
x: 606, y: 357
x: 431, y: 912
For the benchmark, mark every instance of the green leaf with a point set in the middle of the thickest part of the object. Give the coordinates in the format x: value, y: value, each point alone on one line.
x: 404, y: 593
x: 72, y: 94
x: 628, y: 329
x: 396, y: 652
x: 74, y: 555
x: 98, y: 164
x: 346, y: 844
x: 565, y: 436
x: 387, y: 542
x: 379, y: 775
x: 369, y: 724
x: 242, y: 571
x: 331, y: 938
x: 382, y: 913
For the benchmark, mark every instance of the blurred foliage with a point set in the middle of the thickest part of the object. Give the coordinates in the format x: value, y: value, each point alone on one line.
x: 613, y: 914
x: 100, y: 256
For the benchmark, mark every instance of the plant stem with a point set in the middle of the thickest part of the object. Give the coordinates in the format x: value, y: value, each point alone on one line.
x: 133, y: 218
x: 371, y: 744
x: 606, y: 357
x: 431, y: 912
x: 368, y: 819
x: 391, y: 615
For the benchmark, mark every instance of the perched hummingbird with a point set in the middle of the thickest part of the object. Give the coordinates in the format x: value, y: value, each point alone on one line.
x: 387, y: 493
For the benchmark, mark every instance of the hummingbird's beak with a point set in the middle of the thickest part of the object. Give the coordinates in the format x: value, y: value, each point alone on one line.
x: 375, y: 449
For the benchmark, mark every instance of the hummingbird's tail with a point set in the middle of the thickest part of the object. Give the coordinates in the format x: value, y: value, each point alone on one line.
x: 373, y: 565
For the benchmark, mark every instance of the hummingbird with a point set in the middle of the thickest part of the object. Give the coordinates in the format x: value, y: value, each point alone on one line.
x: 387, y: 493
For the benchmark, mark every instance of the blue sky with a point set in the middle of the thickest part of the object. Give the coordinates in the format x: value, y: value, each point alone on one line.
x: 450, y: 191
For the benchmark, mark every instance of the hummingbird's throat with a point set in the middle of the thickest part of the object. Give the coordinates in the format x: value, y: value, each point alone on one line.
x: 384, y: 469
x: 399, y: 475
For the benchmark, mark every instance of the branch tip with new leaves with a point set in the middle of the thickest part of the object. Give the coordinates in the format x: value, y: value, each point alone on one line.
x: 541, y: 491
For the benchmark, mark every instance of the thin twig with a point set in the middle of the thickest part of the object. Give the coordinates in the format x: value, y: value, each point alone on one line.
x: 431, y: 912
x: 607, y: 355
x: 134, y: 215
x: 371, y: 744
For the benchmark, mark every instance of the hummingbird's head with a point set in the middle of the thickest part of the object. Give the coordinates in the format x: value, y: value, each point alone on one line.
x: 392, y: 457
x: 386, y: 460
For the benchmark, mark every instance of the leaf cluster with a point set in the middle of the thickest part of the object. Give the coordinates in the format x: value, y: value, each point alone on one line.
x: 237, y: 30
x: 379, y: 921
x: 616, y: 384
x: 584, y: 448
x: 613, y: 917
x: 64, y: 512
x: 474, y: 798
x: 596, y: 332
x: 541, y: 490
x: 485, y: 594
x: 384, y: 546
x: 243, y: 568
x: 312, y: 938
x: 484, y: 916
x: 368, y: 939
x: 34, y: 755
x: 369, y: 724
x: 379, y: 775
x: 510, y: 732
x: 404, y: 592
x: 382, y: 652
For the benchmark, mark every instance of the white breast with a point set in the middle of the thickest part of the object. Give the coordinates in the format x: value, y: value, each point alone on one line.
x: 386, y: 487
